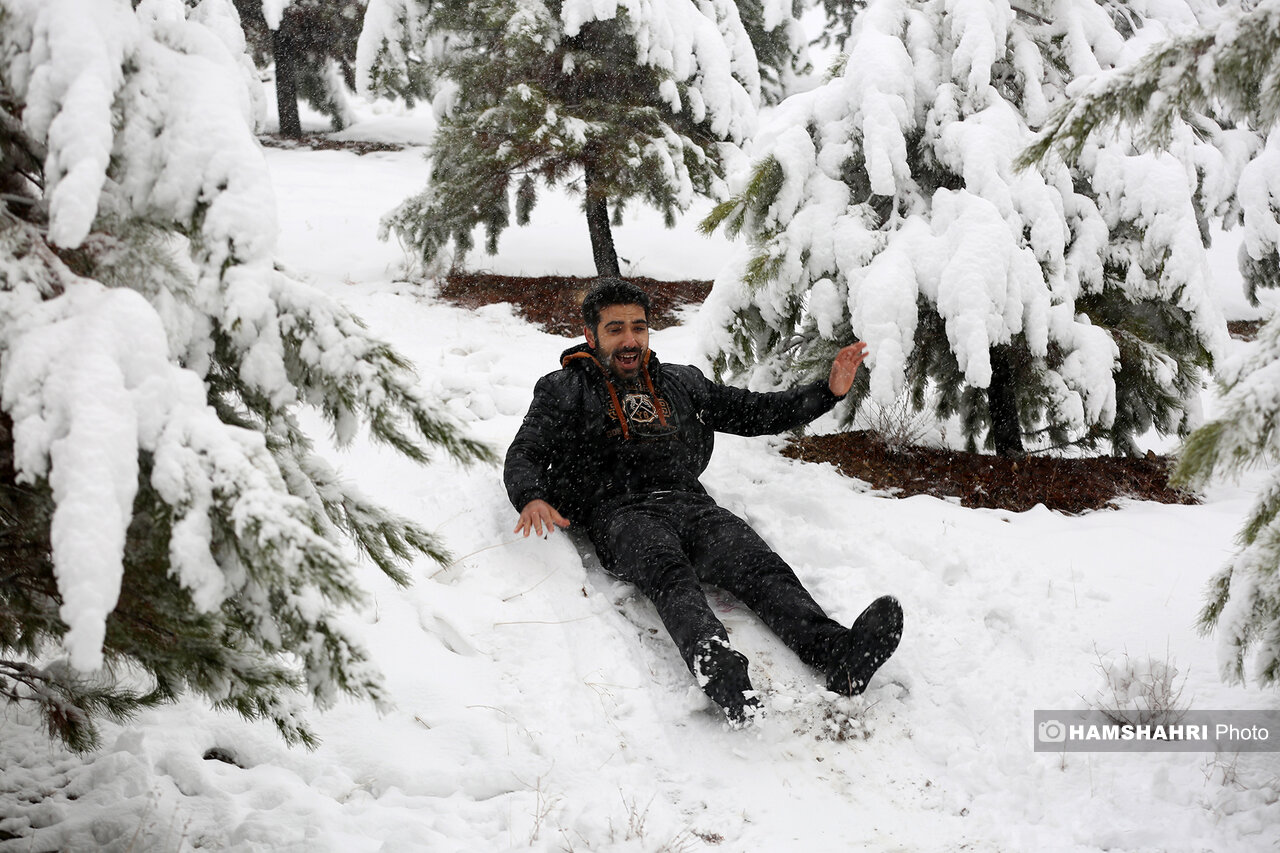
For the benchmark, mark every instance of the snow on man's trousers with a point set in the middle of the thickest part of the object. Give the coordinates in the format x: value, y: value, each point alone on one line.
x: 668, y: 543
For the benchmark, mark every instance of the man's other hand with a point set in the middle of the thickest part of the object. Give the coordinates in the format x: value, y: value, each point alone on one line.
x: 535, y: 515
x: 845, y: 367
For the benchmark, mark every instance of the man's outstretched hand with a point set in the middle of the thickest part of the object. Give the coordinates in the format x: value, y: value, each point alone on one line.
x: 536, y: 514
x: 845, y: 368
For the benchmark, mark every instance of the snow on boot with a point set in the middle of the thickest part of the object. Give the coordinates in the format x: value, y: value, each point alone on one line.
x: 722, y: 674
x: 859, y: 652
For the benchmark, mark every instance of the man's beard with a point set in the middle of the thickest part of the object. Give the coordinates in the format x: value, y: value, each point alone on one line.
x: 618, y: 369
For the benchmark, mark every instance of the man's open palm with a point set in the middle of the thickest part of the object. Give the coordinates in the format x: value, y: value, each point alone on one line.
x: 536, y: 515
x: 845, y: 368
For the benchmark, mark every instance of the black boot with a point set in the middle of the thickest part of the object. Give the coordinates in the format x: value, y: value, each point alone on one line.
x: 859, y: 652
x: 722, y: 674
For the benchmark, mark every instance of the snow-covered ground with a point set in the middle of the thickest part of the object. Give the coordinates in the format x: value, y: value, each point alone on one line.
x: 539, y: 706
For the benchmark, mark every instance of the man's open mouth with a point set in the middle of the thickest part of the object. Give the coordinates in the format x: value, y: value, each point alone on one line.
x: 628, y: 360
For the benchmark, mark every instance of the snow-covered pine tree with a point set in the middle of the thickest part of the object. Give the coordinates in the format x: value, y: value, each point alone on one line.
x: 167, y: 526
x: 780, y: 44
x: 839, y: 21
x: 622, y: 101
x: 1233, y: 66
x: 1157, y: 98
x: 313, y: 46
x: 1064, y: 305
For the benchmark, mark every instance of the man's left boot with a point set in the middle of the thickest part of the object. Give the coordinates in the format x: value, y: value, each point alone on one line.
x: 856, y: 654
x: 722, y: 674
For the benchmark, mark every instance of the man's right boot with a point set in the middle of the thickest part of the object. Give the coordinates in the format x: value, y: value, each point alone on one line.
x: 722, y: 674
x: 856, y: 654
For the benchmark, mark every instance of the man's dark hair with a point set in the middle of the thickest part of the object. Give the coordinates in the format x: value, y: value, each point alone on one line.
x: 611, y: 291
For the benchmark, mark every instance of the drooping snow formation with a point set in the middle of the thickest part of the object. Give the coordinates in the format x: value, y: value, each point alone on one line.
x: 152, y: 362
x: 626, y: 100
x: 886, y: 206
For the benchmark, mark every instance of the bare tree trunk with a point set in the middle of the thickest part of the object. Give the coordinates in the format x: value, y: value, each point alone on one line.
x: 1002, y: 403
x: 283, y: 47
x: 602, y: 249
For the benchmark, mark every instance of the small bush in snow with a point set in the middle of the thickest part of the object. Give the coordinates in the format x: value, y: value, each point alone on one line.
x: 1140, y: 691
x: 900, y: 424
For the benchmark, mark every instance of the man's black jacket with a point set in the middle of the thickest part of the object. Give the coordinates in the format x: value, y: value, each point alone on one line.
x: 575, y: 452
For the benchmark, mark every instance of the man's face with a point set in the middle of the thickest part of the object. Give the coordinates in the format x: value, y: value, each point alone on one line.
x: 621, y: 339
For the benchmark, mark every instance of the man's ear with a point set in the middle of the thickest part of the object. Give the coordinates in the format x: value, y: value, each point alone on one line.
x: 591, y: 338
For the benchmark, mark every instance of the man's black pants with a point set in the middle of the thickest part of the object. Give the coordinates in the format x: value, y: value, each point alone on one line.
x: 669, y: 542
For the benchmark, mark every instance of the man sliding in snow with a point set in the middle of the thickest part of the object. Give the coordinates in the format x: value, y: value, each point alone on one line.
x: 615, y: 441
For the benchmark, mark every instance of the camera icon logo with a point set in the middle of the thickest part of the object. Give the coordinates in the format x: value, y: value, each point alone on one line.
x: 1051, y: 731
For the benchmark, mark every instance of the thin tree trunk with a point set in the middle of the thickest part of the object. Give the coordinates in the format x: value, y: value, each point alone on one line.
x: 282, y: 46
x: 602, y: 249
x: 1002, y: 403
